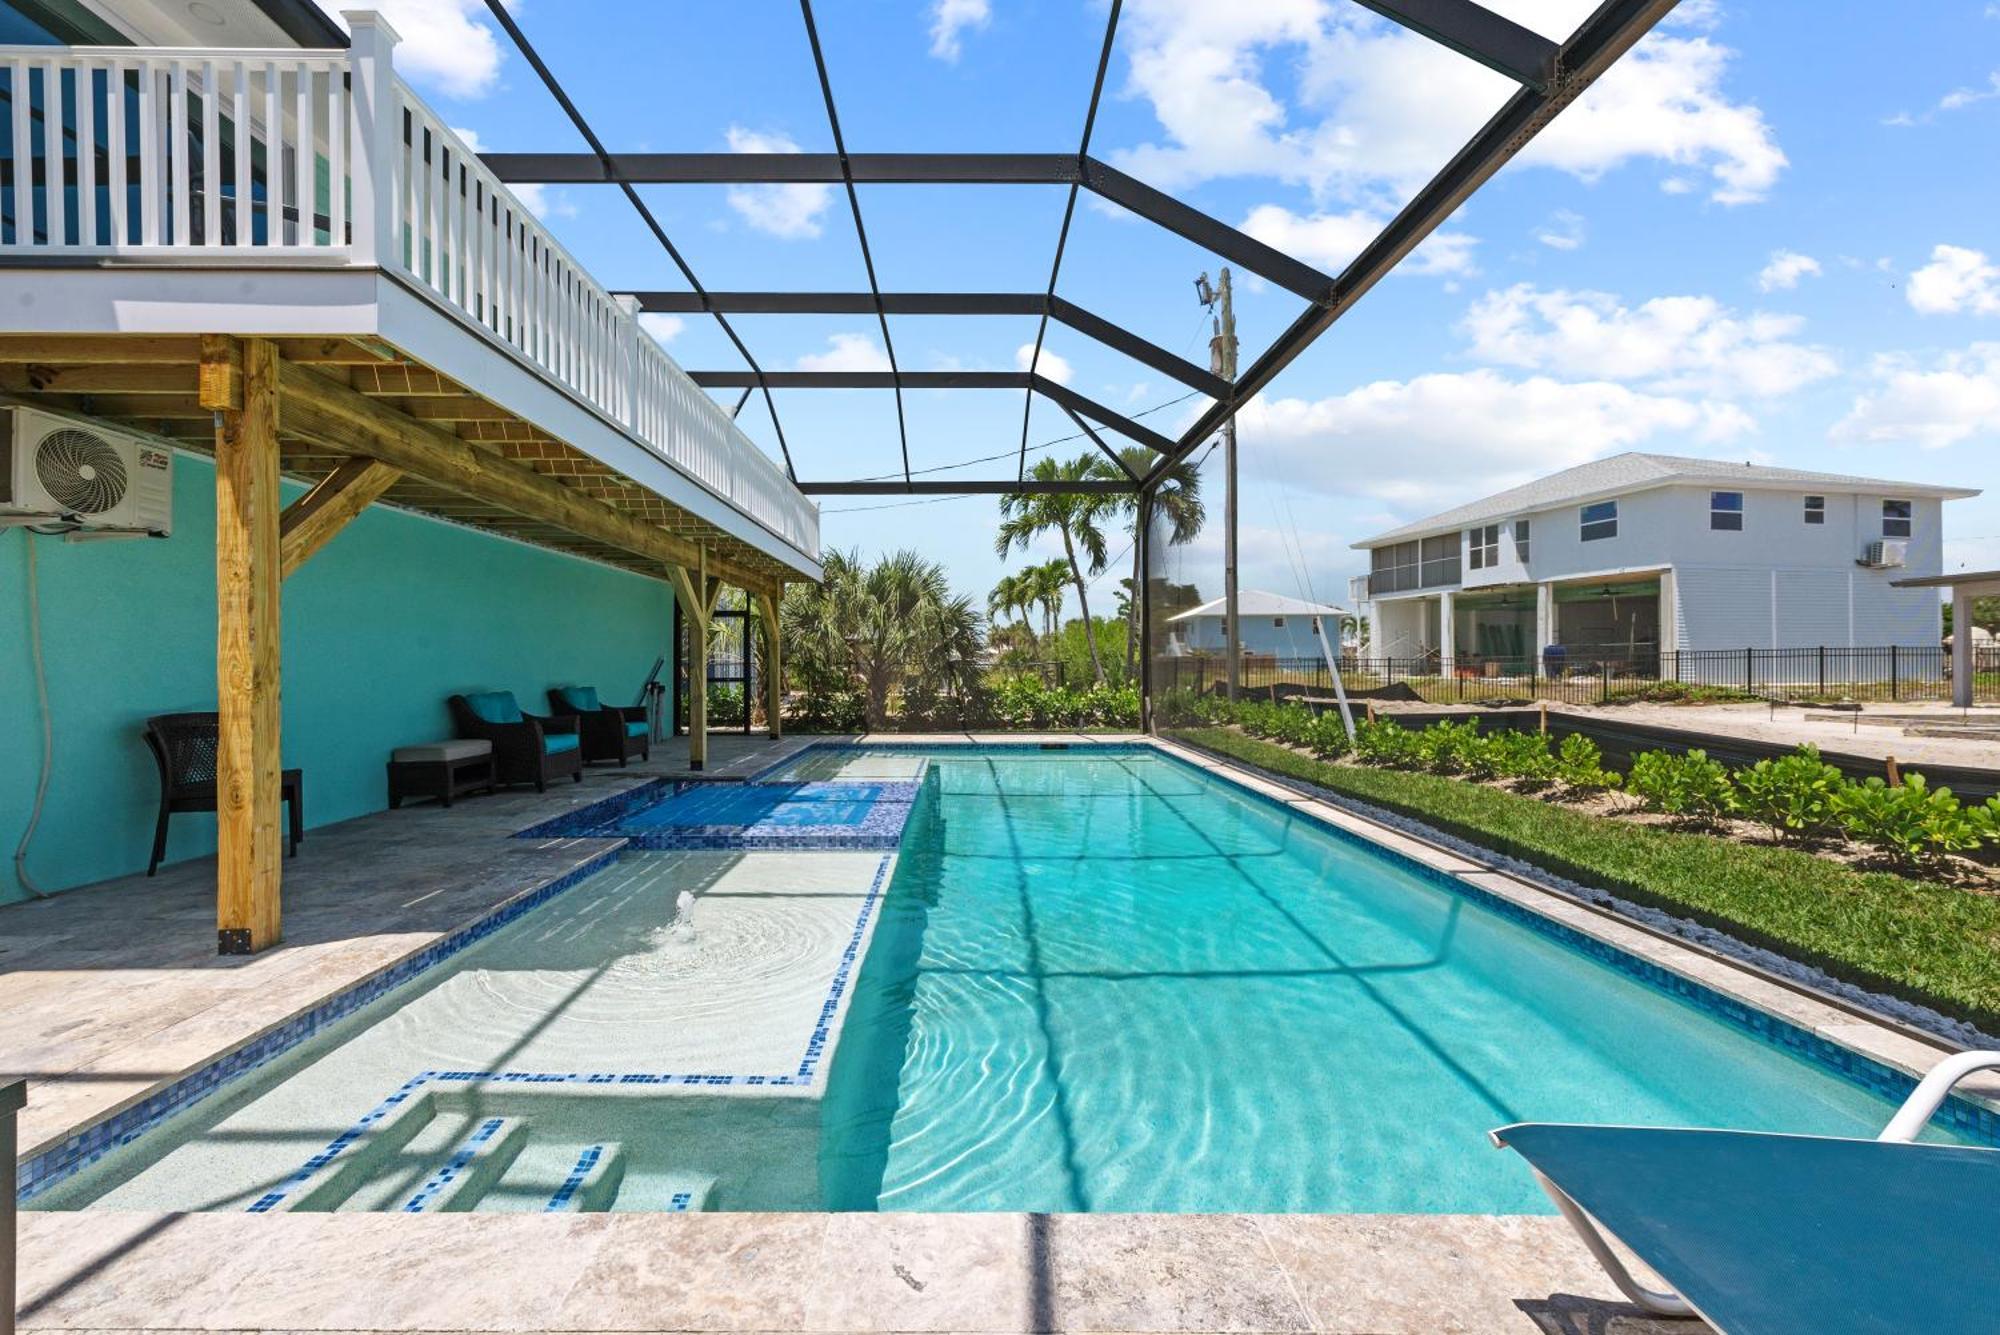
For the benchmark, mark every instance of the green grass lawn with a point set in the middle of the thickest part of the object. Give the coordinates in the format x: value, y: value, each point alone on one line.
x: 1921, y: 940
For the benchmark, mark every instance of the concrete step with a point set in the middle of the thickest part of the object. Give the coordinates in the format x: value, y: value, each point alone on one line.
x: 592, y: 1185
x: 368, y: 1152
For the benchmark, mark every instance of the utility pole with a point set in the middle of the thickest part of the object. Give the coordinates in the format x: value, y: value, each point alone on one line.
x: 1222, y: 361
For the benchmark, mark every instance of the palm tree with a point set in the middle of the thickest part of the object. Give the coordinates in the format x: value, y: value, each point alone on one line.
x: 1014, y: 594
x: 1177, y: 500
x: 1050, y: 582
x: 893, y: 623
x: 1025, y: 517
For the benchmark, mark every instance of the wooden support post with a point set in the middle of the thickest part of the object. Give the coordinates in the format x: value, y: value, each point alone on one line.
x: 310, y: 522
x: 247, y: 916
x: 774, y: 671
x: 1894, y: 771
x: 692, y: 591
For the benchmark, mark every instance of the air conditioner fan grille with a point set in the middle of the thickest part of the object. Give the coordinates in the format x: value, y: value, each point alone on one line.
x: 82, y: 472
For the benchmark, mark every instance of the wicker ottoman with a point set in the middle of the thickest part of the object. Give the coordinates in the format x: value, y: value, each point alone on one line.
x: 443, y: 770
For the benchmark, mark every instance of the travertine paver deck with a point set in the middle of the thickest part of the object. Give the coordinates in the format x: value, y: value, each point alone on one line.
x: 111, y: 991
x: 816, y: 1272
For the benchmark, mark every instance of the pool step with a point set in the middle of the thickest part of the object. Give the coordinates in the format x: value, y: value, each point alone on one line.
x: 690, y: 1192
x: 346, y: 1166
x: 474, y: 1166
x: 593, y: 1183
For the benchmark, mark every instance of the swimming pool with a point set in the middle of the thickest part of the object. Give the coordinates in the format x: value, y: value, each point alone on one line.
x: 1094, y: 981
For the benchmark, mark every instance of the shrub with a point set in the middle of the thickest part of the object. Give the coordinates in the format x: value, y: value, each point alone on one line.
x: 1915, y: 824
x: 831, y: 711
x: 1520, y: 755
x: 1326, y: 735
x: 1688, y: 787
x: 1385, y: 743
x: 1794, y: 795
x: 1447, y: 747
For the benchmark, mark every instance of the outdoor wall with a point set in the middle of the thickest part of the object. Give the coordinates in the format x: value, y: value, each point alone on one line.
x: 386, y: 621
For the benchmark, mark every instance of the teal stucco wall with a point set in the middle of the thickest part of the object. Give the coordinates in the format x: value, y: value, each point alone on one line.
x: 386, y: 621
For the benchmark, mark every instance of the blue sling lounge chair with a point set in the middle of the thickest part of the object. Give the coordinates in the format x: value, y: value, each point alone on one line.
x: 1761, y: 1233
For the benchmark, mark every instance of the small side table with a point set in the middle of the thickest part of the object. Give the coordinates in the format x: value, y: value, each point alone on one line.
x: 443, y: 770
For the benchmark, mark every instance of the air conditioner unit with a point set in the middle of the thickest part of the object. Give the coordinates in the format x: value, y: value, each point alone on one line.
x: 87, y: 478
x: 1884, y: 555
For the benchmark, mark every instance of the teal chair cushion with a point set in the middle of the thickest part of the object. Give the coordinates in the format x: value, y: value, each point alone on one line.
x: 555, y: 743
x: 583, y: 699
x: 494, y: 706
x: 635, y: 729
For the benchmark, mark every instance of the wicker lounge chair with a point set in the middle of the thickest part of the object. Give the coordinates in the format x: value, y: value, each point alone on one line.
x: 184, y: 746
x: 526, y: 748
x: 610, y: 732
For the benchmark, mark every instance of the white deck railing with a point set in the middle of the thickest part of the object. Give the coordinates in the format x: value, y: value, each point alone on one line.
x: 214, y: 156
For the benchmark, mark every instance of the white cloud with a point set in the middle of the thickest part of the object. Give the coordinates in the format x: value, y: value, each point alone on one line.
x: 447, y: 45
x: 1954, y: 397
x: 1052, y: 366
x: 1785, y: 270
x: 1676, y: 344
x: 663, y: 328
x: 788, y: 212
x: 1380, y: 108
x: 847, y: 352
x: 540, y: 200
x: 1958, y: 99
x: 950, y: 19
x: 1436, y: 438
x: 1957, y: 279
x: 1330, y: 240
x: 1563, y: 230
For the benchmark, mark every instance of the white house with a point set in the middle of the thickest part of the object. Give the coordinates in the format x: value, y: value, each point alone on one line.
x: 1626, y: 558
x: 1266, y: 623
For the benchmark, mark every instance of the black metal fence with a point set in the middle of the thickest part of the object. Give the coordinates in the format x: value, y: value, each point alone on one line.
x: 1889, y: 673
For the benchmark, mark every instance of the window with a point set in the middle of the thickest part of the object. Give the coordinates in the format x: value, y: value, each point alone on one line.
x: 1725, y: 511
x: 1440, y: 560
x: 1277, y: 623
x: 1895, y: 519
x: 1521, y: 541
x: 1484, y: 546
x: 1600, y: 520
x: 1393, y: 569
x: 1815, y: 509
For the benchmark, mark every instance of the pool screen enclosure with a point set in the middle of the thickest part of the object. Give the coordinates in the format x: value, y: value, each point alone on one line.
x: 1548, y: 75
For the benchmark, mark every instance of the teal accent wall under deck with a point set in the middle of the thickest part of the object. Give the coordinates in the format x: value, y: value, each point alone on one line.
x: 396, y: 613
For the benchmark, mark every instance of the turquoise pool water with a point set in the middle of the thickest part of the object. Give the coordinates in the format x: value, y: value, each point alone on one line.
x: 1111, y: 983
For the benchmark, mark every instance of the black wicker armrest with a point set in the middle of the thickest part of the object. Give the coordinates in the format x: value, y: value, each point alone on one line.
x: 556, y: 722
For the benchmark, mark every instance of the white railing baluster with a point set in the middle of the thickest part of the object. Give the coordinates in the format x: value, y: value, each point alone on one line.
x: 149, y: 157
x: 306, y: 194
x: 211, y: 157
x: 86, y: 155
x: 274, y: 156
x: 54, y: 179
x: 24, y: 155
x: 336, y: 157
x: 180, y: 174
x: 118, y: 182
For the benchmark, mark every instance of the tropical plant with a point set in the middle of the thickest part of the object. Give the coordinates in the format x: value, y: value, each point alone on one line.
x: 876, y: 628
x: 1016, y: 593
x: 1913, y: 823
x: 1793, y: 795
x: 1688, y: 787
x: 1176, y: 500
x: 1580, y: 765
x: 1073, y: 516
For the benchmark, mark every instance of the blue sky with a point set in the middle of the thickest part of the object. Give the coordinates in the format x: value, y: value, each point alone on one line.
x: 1772, y: 233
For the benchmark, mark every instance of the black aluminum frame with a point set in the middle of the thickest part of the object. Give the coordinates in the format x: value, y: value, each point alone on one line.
x: 1551, y: 75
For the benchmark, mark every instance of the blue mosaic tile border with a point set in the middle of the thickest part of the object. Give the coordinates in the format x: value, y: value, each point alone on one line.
x: 453, y: 1166
x: 806, y: 1072
x: 586, y: 821
x: 681, y: 1201
x: 1958, y: 1114
x: 87, y: 1146
x: 574, y: 1182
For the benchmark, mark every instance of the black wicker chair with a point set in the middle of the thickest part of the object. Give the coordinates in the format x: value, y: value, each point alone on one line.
x: 610, y: 732
x: 526, y: 747
x: 184, y: 747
